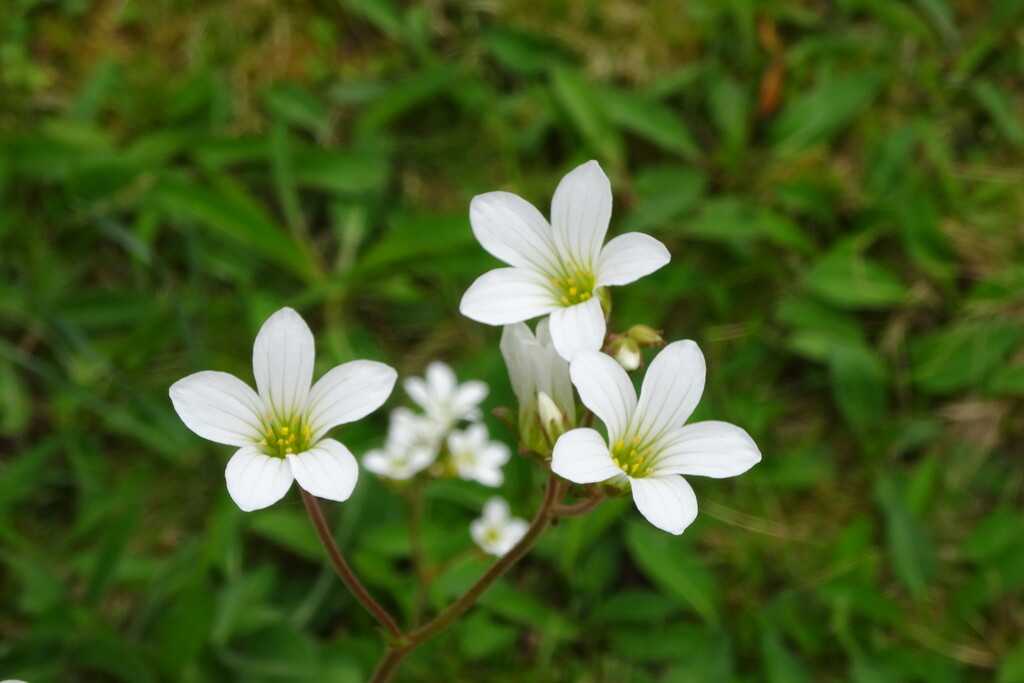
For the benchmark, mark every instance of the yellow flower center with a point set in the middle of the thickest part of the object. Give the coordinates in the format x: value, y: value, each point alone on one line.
x: 284, y: 437
x: 633, y: 458
x: 575, y: 284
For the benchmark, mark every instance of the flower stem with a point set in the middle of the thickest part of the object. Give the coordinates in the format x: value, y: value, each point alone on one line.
x: 419, y: 559
x: 394, y: 656
x: 348, y: 577
x: 578, y: 509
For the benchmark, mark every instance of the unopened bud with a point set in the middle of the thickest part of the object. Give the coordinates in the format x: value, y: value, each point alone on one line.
x: 644, y: 335
x: 626, y: 352
x: 552, y: 419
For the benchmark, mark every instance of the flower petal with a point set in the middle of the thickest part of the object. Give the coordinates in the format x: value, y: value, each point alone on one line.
x: 348, y: 392
x: 580, y: 211
x: 629, y: 257
x: 582, y: 456
x: 577, y: 328
x: 256, y: 480
x: 496, y: 511
x: 513, y: 230
x: 441, y: 380
x: 667, y: 502
x: 218, y: 406
x: 671, y: 390
x: 468, y: 397
x: 328, y: 470
x: 709, y: 449
x: 604, y: 388
x: 282, y: 360
x: 508, y: 295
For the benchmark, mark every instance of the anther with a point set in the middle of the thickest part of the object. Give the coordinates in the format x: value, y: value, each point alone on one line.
x: 573, y: 291
x: 565, y: 299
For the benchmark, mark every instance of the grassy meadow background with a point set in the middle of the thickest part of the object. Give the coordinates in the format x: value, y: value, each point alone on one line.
x: 840, y: 185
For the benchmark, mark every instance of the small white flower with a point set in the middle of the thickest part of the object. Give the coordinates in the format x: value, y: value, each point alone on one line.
x: 442, y: 397
x: 476, y: 457
x: 557, y: 268
x: 497, y: 532
x: 648, y: 447
x: 281, y: 429
x: 412, y: 445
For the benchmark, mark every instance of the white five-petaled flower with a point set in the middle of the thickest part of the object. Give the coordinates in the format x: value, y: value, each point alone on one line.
x: 556, y: 268
x: 496, y: 531
x: 442, y: 397
x: 281, y: 429
x: 476, y: 457
x: 648, y: 446
x: 412, y: 445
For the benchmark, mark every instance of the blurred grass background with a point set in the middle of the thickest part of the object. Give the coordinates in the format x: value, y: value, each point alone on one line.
x: 840, y: 185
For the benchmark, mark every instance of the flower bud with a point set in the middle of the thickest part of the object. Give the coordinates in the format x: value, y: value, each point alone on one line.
x: 645, y: 335
x: 626, y: 352
x: 552, y: 420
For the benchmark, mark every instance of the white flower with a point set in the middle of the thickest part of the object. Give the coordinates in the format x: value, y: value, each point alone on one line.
x: 535, y: 368
x: 648, y: 447
x: 496, y: 532
x: 556, y: 268
x: 281, y: 429
x: 411, y: 446
x: 442, y: 397
x: 476, y: 457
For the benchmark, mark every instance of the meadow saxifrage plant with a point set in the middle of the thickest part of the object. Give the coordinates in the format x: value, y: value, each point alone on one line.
x: 565, y: 372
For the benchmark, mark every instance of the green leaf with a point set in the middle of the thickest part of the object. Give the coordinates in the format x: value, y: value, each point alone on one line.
x: 999, y: 107
x: 780, y: 664
x: 1011, y: 670
x: 817, y: 116
x: 283, y: 172
x: 238, y: 217
x: 340, y: 171
x: 651, y: 120
x: 634, y: 607
x: 582, y: 105
x: 665, y: 193
x: 909, y: 549
x: 922, y: 236
x: 525, y: 52
x: 848, y: 279
x: 289, y: 529
x: 817, y: 327
x: 294, y: 104
x: 481, y: 636
x: 405, y: 96
x: 963, y: 356
x: 670, y: 564
x: 729, y: 106
x: 858, y: 381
